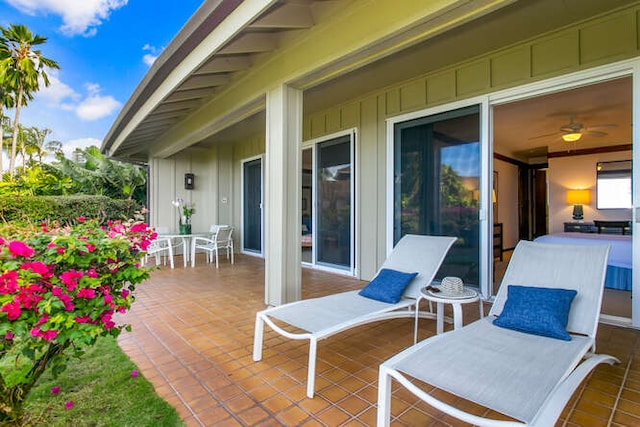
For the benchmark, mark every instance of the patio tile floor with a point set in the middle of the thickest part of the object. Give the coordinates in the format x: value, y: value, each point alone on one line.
x: 193, y: 336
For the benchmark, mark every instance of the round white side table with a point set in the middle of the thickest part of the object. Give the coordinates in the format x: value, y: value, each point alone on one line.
x: 440, y: 297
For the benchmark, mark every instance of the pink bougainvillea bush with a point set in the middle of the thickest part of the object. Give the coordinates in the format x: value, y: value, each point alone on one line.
x: 59, y: 290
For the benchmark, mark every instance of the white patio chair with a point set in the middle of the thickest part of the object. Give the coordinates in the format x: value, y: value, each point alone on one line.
x: 525, y: 376
x: 160, y: 248
x: 221, y: 239
x: 323, y: 317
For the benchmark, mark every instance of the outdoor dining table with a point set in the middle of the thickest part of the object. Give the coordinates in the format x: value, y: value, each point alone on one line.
x: 186, y: 241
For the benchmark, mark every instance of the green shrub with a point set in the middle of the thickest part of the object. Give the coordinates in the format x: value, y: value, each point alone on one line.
x: 64, y: 209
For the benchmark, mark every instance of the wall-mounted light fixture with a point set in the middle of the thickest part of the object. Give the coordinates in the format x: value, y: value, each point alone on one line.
x: 189, y: 181
x: 577, y: 198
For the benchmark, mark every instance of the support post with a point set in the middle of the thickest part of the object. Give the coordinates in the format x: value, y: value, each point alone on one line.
x: 282, y: 191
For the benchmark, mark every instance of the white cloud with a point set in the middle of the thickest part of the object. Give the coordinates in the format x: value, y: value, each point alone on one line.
x: 149, y: 58
x: 70, y: 146
x: 57, y: 92
x: 60, y: 95
x: 96, y: 106
x: 79, y: 17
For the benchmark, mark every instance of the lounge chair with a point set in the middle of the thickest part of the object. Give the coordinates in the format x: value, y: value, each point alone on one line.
x: 320, y: 318
x: 525, y: 376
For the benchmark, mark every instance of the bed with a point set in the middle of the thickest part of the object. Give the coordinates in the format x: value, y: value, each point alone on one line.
x: 619, y: 264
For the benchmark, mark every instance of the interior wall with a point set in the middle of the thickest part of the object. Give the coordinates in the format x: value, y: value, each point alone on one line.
x: 579, y: 172
x: 507, y: 201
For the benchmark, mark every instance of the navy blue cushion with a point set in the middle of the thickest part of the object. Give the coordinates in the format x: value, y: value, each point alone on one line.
x: 539, y: 311
x: 388, y: 285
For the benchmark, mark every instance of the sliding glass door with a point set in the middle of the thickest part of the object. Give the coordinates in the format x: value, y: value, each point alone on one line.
x: 327, y: 204
x: 252, y: 206
x: 333, y: 207
x: 436, y: 171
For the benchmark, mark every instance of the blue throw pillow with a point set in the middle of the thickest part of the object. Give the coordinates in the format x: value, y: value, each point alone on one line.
x: 538, y: 311
x: 388, y: 285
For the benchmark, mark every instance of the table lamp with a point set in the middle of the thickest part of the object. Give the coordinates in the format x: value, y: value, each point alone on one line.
x: 577, y: 198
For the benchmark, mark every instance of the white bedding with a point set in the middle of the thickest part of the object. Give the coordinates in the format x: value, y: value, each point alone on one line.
x: 619, y: 255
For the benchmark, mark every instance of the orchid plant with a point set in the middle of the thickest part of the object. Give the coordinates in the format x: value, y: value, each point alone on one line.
x: 60, y: 288
x: 185, y: 210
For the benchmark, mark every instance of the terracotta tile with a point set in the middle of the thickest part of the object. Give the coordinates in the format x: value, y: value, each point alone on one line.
x: 334, y: 394
x: 292, y: 416
x: 353, y: 405
x: 253, y: 415
x: 315, y: 405
x: 263, y: 392
x: 333, y: 416
x: 414, y: 417
x: 240, y: 403
x: 205, y: 357
x: 277, y: 403
x: 212, y: 415
x: 312, y: 423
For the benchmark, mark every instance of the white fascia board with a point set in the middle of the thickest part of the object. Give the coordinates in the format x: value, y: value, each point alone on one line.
x: 242, y: 16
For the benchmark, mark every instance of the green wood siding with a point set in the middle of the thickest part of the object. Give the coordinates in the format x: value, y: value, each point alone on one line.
x: 601, y: 40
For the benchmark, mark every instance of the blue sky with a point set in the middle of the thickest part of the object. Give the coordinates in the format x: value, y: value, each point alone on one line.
x: 103, y: 47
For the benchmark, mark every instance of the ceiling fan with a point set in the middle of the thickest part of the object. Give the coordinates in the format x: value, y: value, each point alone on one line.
x: 573, y: 131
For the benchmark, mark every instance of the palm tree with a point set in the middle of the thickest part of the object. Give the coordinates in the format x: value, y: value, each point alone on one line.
x: 20, y: 71
x: 54, y: 147
x: 6, y: 101
x: 34, y: 143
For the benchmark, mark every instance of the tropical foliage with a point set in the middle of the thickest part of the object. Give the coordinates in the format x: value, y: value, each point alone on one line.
x: 59, y: 290
x: 91, y: 173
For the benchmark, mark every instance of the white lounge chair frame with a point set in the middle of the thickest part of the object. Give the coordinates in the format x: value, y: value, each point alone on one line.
x: 527, y: 377
x: 323, y: 317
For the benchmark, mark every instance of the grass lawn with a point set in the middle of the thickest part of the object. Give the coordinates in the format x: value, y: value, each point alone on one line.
x: 103, y: 391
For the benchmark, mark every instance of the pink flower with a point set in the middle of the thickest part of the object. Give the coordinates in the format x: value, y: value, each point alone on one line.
x: 49, y: 335
x: 124, y: 293
x: 9, y: 335
x: 51, y: 245
x: 92, y: 273
x: 87, y: 293
x: 81, y: 219
x: 12, y: 309
x: 55, y: 389
x: 139, y: 227
x: 37, y: 267
x: 82, y: 319
x: 8, y: 282
x: 18, y: 248
x: 68, y: 405
x: 108, y: 299
x: 60, y: 250
x: 43, y: 319
x: 64, y: 298
x: 70, y: 278
x: 45, y: 335
x: 1, y: 241
x: 134, y: 373
x: 90, y: 247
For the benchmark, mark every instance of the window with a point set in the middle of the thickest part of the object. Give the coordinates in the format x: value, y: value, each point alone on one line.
x: 613, y: 185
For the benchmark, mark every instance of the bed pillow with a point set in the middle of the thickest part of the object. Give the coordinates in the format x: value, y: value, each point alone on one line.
x: 388, y: 285
x: 538, y: 311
